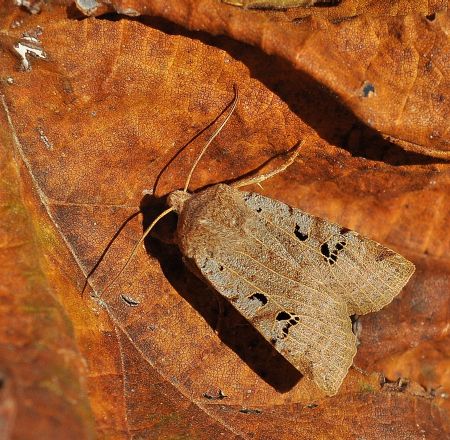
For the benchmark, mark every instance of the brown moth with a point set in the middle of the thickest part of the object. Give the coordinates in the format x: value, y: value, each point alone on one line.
x: 297, y: 278
x: 278, y: 4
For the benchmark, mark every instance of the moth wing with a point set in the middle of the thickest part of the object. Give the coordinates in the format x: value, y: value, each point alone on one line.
x: 295, y: 277
x: 249, y: 264
x: 366, y: 274
x: 310, y: 328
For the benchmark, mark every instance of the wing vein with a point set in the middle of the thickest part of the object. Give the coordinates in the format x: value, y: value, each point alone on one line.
x: 279, y: 305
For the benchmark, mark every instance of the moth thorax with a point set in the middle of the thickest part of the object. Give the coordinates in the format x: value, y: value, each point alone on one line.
x: 176, y: 200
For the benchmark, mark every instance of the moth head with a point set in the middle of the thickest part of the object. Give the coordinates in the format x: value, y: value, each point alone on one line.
x: 176, y: 200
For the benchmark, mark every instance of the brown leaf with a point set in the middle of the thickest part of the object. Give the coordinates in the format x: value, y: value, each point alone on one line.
x: 387, y: 62
x: 272, y: 4
x: 42, y: 391
x: 93, y: 125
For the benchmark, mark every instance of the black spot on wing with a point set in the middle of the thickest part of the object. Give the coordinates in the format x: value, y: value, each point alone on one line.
x: 331, y: 255
x: 283, y: 316
x: 340, y: 245
x: 260, y: 298
x: 325, y: 250
x: 285, y: 321
x: 299, y: 234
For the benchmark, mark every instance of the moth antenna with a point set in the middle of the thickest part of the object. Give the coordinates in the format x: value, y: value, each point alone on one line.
x: 167, y: 211
x: 105, y: 251
x: 136, y: 246
x: 261, y: 177
x: 216, y: 132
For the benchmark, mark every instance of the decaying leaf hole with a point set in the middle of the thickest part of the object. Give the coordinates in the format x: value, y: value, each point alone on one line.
x: 295, y: 277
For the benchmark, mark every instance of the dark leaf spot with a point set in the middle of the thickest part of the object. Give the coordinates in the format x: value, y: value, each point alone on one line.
x: 250, y: 411
x: 368, y: 88
x: 259, y: 210
x: 431, y: 17
x: 219, y: 396
x: 344, y: 231
x: 129, y: 301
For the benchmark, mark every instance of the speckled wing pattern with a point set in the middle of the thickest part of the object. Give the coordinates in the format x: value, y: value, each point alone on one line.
x: 297, y: 278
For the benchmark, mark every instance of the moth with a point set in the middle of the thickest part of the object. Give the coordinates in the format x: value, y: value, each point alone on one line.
x: 295, y: 277
x: 278, y: 4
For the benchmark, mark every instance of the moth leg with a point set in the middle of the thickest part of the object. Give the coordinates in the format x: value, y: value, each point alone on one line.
x: 260, y: 178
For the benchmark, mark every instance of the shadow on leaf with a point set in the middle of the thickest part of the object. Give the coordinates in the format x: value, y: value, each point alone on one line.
x: 313, y: 103
x: 231, y: 327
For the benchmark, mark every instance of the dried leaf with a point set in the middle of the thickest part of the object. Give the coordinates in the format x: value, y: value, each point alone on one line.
x: 390, y: 71
x: 270, y: 4
x: 41, y: 370
x: 93, y: 125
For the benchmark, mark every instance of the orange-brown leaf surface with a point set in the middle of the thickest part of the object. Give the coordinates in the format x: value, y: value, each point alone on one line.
x: 387, y: 61
x: 99, y: 117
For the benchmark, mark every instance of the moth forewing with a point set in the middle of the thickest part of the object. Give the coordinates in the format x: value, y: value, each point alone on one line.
x: 365, y: 273
x: 297, y: 278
